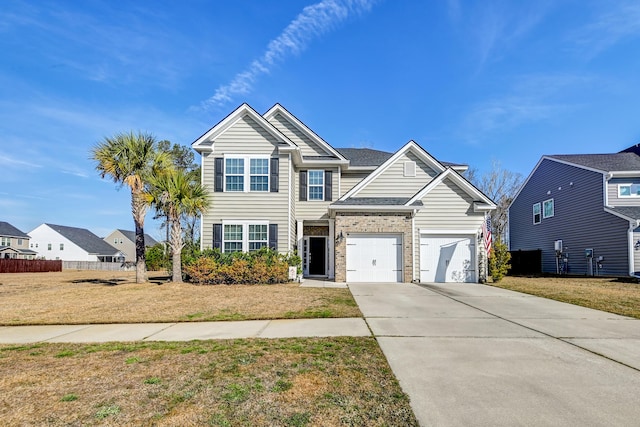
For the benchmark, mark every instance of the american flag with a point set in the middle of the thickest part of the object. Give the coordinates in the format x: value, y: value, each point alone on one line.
x: 486, y: 232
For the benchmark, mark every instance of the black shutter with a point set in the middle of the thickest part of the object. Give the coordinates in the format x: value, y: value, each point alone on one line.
x: 327, y: 186
x: 217, y: 236
x: 273, y: 236
x: 218, y: 171
x: 275, y: 173
x: 303, y: 186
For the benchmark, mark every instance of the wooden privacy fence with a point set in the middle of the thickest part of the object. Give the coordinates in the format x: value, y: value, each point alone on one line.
x: 526, y: 263
x: 29, y: 265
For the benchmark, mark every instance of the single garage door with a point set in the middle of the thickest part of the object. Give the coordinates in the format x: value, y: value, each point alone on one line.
x: 374, y: 258
x: 449, y: 258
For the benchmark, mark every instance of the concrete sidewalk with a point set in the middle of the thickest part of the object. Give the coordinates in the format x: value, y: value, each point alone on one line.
x: 475, y: 355
x: 184, y: 331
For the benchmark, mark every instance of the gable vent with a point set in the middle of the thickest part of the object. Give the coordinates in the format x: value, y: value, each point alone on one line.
x: 409, y: 168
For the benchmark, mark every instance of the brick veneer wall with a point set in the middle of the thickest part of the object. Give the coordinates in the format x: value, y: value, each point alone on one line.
x: 315, y: 230
x: 358, y: 222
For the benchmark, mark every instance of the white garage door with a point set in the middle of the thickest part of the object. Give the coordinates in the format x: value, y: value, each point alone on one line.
x: 447, y: 259
x: 374, y: 258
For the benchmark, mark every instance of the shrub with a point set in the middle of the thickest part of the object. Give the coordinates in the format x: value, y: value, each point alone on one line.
x: 157, y: 259
x: 499, y: 260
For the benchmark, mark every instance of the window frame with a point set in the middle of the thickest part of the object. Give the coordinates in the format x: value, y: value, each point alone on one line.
x: 544, y: 208
x: 245, y: 241
x: 539, y: 213
x: 321, y: 172
x: 226, y: 240
x: 247, y: 174
x: 629, y: 185
x: 5, y: 241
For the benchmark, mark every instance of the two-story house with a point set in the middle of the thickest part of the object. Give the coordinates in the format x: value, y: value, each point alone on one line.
x: 583, y: 212
x: 66, y: 243
x: 14, y: 243
x: 125, y: 242
x: 356, y: 215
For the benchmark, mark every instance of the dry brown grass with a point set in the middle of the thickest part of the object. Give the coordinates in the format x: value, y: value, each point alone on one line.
x: 285, y: 382
x: 77, y: 297
x: 612, y: 295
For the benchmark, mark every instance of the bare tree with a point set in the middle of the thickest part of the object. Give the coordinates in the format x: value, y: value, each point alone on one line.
x: 501, y: 186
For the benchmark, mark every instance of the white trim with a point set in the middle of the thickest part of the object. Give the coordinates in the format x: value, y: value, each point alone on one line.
x: 245, y: 231
x: 331, y: 243
x: 246, y: 159
x: 465, y: 232
x: 289, y: 188
x: 553, y: 208
x: 409, y: 146
x: 206, y: 141
x: 322, y: 172
x: 277, y: 108
x: 631, y: 194
x: 631, y: 249
x: 461, y: 182
x: 533, y: 213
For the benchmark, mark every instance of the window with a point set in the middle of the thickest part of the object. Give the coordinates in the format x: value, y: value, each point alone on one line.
x: 48, y: 246
x: 234, y: 175
x: 259, y: 175
x: 628, y: 190
x: 257, y: 237
x: 233, y: 238
x: 19, y: 242
x: 316, y: 185
x: 62, y: 246
x: 536, y: 213
x: 547, y: 208
x: 115, y: 241
x: 5, y: 241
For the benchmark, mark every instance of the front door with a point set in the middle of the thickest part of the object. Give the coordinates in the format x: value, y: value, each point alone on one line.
x: 317, y: 256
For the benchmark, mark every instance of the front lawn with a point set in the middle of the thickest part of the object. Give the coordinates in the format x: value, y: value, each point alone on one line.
x: 257, y: 382
x: 612, y: 295
x: 78, y: 297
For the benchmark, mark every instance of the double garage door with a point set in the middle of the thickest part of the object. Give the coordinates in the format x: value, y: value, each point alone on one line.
x: 374, y: 258
x: 449, y: 258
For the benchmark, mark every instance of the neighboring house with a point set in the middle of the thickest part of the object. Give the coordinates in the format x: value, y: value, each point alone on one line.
x: 582, y: 211
x: 125, y: 242
x: 72, y: 244
x: 14, y: 243
x: 357, y: 215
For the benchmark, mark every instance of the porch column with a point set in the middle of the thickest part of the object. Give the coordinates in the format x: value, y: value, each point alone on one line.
x: 331, y: 273
x: 300, y: 240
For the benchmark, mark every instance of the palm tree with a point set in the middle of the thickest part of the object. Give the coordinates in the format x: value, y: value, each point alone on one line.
x: 176, y: 194
x: 130, y: 159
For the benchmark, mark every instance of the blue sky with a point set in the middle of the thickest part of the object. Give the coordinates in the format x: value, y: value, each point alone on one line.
x: 471, y: 81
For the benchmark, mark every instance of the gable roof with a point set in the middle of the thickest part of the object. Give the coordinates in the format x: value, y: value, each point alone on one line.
x: 298, y: 124
x: 485, y: 204
x: 85, y: 239
x: 364, y: 156
x: 206, y: 140
x: 631, y: 213
x: 8, y: 230
x: 131, y: 235
x: 409, y: 146
x: 616, y: 162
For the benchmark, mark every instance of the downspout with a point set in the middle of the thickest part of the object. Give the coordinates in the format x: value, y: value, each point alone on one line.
x: 632, y: 226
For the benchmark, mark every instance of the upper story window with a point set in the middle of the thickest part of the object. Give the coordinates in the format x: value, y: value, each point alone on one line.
x: 5, y: 241
x: 536, y: 213
x: 236, y: 177
x: 547, y: 208
x: 19, y: 242
x: 628, y: 190
x: 316, y: 185
x: 48, y: 246
x: 62, y: 246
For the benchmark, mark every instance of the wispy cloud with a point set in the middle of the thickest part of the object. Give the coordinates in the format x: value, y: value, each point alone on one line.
x: 621, y: 20
x: 13, y: 163
x: 531, y: 99
x: 311, y: 23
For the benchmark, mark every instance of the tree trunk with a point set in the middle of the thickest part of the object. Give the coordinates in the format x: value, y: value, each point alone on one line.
x: 139, y: 209
x: 176, y: 249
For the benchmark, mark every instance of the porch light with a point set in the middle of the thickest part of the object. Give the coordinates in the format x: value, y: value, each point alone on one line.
x: 340, y: 238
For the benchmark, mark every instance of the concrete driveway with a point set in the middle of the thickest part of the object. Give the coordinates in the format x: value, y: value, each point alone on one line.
x: 474, y: 355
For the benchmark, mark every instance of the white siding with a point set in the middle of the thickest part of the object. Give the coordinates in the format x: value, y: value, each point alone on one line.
x: 247, y: 137
x: 350, y: 180
x: 393, y: 183
x: 307, y: 146
x: 446, y: 207
x: 313, y: 210
x: 43, y: 235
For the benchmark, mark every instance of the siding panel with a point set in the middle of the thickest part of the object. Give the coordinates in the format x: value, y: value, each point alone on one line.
x: 612, y: 192
x: 393, y: 182
x: 314, y: 210
x: 307, y: 146
x: 579, y: 221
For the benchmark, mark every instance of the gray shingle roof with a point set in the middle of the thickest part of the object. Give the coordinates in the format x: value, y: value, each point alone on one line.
x: 364, y: 156
x: 628, y: 211
x: 376, y: 201
x: 85, y: 239
x: 603, y: 162
x: 131, y: 235
x: 8, y: 230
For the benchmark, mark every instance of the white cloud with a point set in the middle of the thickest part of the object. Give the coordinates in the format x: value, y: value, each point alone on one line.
x: 311, y: 23
x: 13, y: 163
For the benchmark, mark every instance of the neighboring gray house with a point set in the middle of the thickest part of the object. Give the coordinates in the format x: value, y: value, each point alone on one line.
x: 583, y: 212
x: 125, y: 242
x: 72, y: 244
x: 353, y: 214
x: 14, y: 243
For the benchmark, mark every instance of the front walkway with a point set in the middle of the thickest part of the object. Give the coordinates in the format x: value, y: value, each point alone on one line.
x: 475, y: 355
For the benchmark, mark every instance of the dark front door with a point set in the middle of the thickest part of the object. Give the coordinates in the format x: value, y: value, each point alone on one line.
x: 317, y: 256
